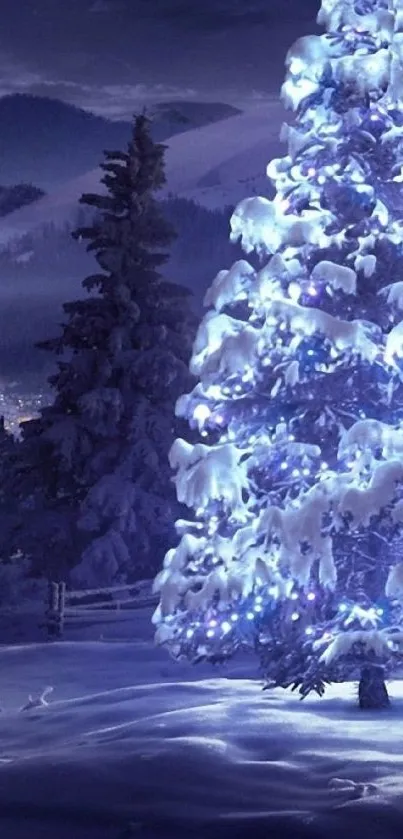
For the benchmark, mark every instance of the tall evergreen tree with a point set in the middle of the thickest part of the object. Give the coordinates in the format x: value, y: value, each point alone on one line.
x: 93, y: 467
x: 295, y: 549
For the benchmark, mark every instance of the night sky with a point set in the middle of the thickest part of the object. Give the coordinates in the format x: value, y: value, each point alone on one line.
x: 106, y: 55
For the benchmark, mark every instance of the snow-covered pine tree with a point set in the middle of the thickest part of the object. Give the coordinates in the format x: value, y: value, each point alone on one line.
x: 295, y: 550
x: 93, y: 468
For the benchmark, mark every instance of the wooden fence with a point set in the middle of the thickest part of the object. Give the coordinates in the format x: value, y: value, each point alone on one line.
x: 89, y: 606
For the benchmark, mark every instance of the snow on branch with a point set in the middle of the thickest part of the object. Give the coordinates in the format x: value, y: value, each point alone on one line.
x: 229, y: 286
x: 375, y: 641
x: 344, y: 335
x: 207, y: 473
x: 262, y: 226
x: 371, y: 434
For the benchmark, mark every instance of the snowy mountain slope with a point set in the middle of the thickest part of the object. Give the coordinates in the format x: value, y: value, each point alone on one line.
x: 65, y: 141
x: 132, y: 738
x: 217, y: 165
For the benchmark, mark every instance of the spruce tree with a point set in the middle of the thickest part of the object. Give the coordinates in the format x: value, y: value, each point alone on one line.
x: 93, y: 470
x: 295, y: 549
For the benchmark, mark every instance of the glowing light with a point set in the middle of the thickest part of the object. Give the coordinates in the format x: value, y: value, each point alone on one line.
x: 295, y: 473
x: 309, y: 630
x: 294, y: 291
x: 294, y: 595
x: 343, y: 607
x: 190, y: 633
x: 226, y: 627
x: 250, y: 616
x: 295, y: 616
x: 284, y: 466
x: 234, y: 618
x: 311, y: 596
x: 210, y: 633
x: 312, y: 291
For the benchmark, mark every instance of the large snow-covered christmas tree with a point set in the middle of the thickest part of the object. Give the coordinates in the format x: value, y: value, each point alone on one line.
x: 295, y: 550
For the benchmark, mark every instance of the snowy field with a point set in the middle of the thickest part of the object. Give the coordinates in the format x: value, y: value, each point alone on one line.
x: 134, y: 744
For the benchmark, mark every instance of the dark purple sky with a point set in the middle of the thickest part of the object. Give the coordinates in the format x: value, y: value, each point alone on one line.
x: 108, y: 54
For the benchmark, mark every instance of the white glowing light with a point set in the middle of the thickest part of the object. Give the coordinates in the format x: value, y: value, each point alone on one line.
x: 226, y: 627
x: 234, y: 618
x: 295, y: 616
x: 214, y: 392
x: 250, y: 616
x: 210, y: 633
x: 284, y: 466
x: 201, y: 413
x: 311, y: 596
x: 190, y: 633
x: 294, y: 291
x: 309, y: 630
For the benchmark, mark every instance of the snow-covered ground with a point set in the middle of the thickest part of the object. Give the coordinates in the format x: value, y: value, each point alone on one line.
x: 134, y: 744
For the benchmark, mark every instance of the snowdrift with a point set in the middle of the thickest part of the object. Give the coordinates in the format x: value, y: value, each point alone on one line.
x: 132, y: 741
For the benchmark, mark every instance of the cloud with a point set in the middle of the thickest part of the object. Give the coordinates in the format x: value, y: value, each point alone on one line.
x: 111, y: 56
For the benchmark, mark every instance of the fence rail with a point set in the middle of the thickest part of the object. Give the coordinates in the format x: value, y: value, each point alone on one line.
x: 66, y: 607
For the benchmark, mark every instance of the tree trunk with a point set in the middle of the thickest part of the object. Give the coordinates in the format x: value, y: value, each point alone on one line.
x: 372, y: 693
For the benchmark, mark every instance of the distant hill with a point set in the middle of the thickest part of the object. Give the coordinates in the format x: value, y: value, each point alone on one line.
x: 215, y: 165
x: 14, y: 197
x: 48, y: 142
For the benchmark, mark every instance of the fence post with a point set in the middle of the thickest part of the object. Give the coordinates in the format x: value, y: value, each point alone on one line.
x: 61, y: 605
x: 55, y: 609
